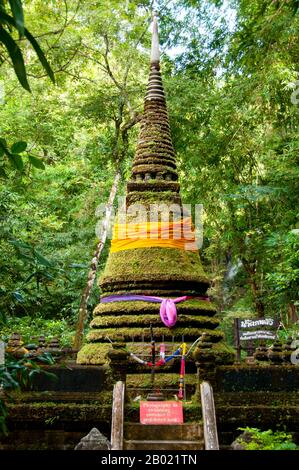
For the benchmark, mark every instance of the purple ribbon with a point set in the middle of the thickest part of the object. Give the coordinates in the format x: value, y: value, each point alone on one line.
x: 168, y: 312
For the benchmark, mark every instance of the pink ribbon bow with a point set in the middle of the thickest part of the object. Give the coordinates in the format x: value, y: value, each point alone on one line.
x: 168, y: 312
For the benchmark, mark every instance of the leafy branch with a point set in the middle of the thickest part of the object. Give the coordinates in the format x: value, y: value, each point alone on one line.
x: 8, y: 23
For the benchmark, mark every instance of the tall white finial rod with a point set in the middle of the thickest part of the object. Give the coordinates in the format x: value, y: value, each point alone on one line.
x: 155, y: 53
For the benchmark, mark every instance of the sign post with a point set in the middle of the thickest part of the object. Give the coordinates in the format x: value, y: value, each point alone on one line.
x: 250, y: 330
x: 237, y: 339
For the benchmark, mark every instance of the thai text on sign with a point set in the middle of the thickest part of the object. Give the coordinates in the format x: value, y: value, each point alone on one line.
x: 261, y: 328
x: 257, y: 334
x: 248, y: 323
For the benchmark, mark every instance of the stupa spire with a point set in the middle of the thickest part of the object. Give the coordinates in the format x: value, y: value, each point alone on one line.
x: 155, y: 51
x: 155, y: 157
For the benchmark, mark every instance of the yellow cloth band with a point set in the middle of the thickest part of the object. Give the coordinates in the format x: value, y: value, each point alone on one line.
x: 178, y: 234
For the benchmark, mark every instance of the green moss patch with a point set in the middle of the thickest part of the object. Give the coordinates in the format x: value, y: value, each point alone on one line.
x: 153, y: 264
x: 59, y: 413
x: 155, y: 133
x: 93, y: 353
x: 153, y: 185
x: 149, y: 197
x: 176, y: 334
x: 162, y: 287
x: 156, y: 146
x: 176, y: 290
x: 224, y: 354
x: 155, y: 160
x: 165, y: 156
x: 194, y: 307
x: 153, y: 168
x: 161, y: 380
x: 155, y: 320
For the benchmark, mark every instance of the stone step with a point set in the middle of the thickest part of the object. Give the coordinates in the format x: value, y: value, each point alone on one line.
x: 184, y: 432
x: 162, y: 445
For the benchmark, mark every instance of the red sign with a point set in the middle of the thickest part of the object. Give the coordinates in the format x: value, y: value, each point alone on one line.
x: 161, y: 412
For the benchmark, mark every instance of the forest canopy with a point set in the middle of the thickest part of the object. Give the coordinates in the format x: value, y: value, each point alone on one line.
x: 72, y: 80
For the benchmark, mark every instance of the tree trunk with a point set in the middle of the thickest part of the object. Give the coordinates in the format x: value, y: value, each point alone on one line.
x: 93, y: 266
x: 259, y: 306
x: 256, y: 292
x: 292, y: 313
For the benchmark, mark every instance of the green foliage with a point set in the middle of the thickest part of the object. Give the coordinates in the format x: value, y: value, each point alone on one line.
x: 30, y: 328
x: 284, y: 278
x: 267, y: 440
x: 227, y: 322
x: 50, y: 215
x: 7, y: 41
x: 15, y: 159
x: 229, y: 69
x: 288, y: 332
x: 7, y: 24
x: 18, y: 374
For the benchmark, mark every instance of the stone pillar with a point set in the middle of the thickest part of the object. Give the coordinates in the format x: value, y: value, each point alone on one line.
x: 94, y: 440
x: 276, y: 354
x: 204, y: 357
x: 118, y: 358
x: 261, y: 353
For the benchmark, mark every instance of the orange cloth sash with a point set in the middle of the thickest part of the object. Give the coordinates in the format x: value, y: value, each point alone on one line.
x: 179, y: 234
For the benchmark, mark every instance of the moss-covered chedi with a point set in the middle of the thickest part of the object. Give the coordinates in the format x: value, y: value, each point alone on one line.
x: 155, y: 270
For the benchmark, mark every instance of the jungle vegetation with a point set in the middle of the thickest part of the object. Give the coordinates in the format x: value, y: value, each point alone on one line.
x: 72, y: 81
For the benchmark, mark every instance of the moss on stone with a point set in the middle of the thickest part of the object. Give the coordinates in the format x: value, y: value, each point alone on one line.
x: 60, y: 413
x: 153, y: 168
x: 161, y: 380
x: 252, y: 398
x: 141, y: 333
x: 95, y: 353
x: 155, y: 133
x: 156, y: 160
x: 155, y: 145
x: 173, y: 210
x: 155, y: 320
x: 194, y: 307
x: 153, y: 185
x: 153, y: 265
x: 144, y: 154
x: 224, y: 354
x: 167, y: 197
x: 59, y: 397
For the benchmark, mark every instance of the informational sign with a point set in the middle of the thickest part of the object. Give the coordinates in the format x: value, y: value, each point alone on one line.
x: 161, y: 412
x: 262, y: 328
x: 248, y: 333
x: 257, y: 334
